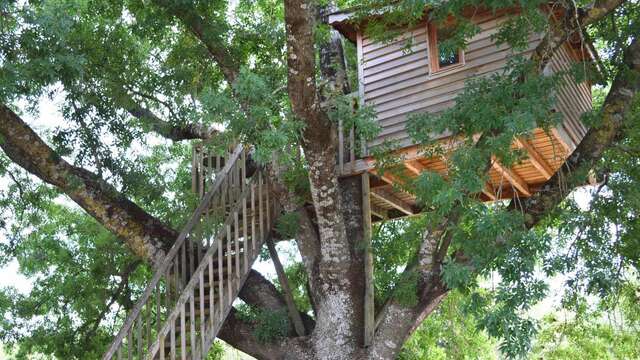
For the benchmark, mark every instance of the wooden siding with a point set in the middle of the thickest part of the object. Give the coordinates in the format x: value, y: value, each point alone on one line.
x: 395, y: 80
x: 572, y: 100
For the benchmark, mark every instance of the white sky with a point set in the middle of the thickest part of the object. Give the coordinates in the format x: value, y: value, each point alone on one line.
x: 49, y: 117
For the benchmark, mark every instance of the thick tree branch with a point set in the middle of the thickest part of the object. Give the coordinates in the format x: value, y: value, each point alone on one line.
x: 597, y: 10
x: 240, y: 335
x: 573, y: 23
x: 614, y: 116
x: 398, y: 320
x: 260, y: 292
x: 144, y: 234
x: 167, y: 129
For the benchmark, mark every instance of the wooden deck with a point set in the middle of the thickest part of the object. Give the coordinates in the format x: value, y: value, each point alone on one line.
x: 545, y: 153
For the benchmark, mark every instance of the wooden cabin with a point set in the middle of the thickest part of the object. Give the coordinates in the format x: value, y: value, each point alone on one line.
x: 398, y: 81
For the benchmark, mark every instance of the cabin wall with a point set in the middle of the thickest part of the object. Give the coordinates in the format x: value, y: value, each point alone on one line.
x: 396, y: 80
x: 572, y: 100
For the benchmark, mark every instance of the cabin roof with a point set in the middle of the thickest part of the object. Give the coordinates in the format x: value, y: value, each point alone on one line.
x: 341, y: 21
x: 347, y: 24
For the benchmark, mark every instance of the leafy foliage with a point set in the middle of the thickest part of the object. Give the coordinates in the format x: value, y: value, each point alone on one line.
x: 269, y: 325
x: 449, y: 333
x: 589, y: 334
x: 99, y: 60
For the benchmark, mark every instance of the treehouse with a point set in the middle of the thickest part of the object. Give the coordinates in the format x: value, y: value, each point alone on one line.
x: 185, y: 303
x: 411, y: 74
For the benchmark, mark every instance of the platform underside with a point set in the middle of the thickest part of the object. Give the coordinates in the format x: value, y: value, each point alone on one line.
x: 546, y: 152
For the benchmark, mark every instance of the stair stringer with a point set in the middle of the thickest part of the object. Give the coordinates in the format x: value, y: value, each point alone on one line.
x: 187, y: 296
x: 226, y: 198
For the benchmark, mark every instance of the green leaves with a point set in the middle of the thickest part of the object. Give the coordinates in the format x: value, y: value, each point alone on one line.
x: 287, y: 225
x: 269, y: 325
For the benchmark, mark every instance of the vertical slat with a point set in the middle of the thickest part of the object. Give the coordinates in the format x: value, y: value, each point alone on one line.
x: 369, y: 311
x: 194, y: 170
x: 130, y: 344
x: 191, y: 259
x: 340, y: 146
x: 192, y: 324
x: 245, y: 235
x: 159, y: 301
x: 216, y: 202
x: 236, y: 238
x: 211, y: 292
x: 139, y: 337
x: 243, y: 168
x: 172, y: 340
x: 149, y: 341
x: 203, y: 172
x: 162, y: 348
x: 183, y: 334
x: 120, y: 352
x: 223, y: 197
x: 231, y: 189
x: 352, y: 145
x: 260, y: 206
x: 184, y: 267
x: 202, y: 315
x: 220, y: 276
x: 176, y: 277
x: 238, y: 186
x: 229, y: 265
x: 198, y: 239
x: 253, y: 217
x: 268, y: 191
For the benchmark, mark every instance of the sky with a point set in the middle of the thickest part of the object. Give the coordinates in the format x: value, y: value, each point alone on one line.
x: 48, y: 118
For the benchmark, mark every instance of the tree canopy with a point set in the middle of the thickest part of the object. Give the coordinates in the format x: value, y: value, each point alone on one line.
x: 91, y: 200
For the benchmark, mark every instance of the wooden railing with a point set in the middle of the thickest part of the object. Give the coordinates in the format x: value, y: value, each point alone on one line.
x: 350, y: 148
x: 207, y: 264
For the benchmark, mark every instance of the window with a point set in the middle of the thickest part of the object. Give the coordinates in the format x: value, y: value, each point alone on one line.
x: 441, y: 56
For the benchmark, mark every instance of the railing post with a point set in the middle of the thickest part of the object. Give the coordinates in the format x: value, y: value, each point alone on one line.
x: 369, y: 321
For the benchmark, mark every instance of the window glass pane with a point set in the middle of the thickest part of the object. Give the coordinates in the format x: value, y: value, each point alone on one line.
x: 447, y: 55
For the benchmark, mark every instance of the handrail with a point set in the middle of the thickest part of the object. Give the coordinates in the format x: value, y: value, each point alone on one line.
x: 167, y: 261
x: 189, y: 287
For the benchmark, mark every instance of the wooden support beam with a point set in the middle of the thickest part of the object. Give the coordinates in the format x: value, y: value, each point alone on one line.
x: 563, y: 138
x: 369, y: 310
x: 379, y: 212
x: 392, y: 200
x: 294, y: 315
x: 512, y: 177
x: 489, y: 191
x: 414, y: 166
x: 536, y: 159
x: 389, y: 178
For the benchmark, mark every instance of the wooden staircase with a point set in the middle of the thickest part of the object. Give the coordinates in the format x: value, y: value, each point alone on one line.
x: 191, y: 293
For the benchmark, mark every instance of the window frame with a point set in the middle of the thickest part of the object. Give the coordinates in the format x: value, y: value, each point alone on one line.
x: 434, y: 53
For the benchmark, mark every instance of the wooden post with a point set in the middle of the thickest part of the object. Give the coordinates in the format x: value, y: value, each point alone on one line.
x: 294, y: 315
x: 369, y: 311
